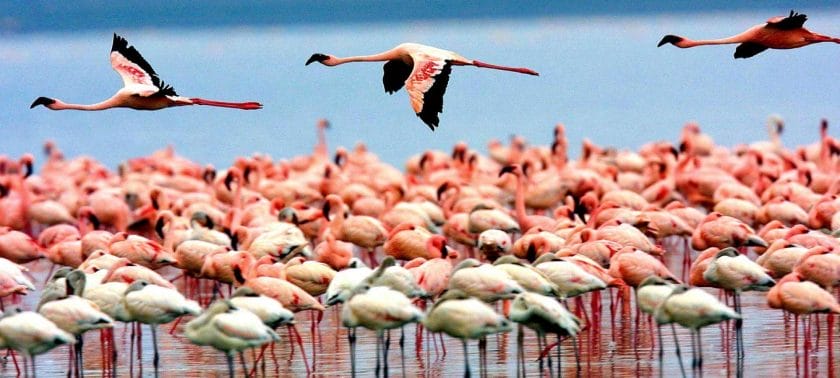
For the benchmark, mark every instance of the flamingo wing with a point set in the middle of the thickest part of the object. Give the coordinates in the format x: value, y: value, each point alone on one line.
x: 426, y: 86
x: 791, y: 22
x: 136, y: 71
x: 395, y: 74
x: 748, y: 49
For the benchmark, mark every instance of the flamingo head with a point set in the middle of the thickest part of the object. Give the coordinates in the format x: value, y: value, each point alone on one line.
x: 324, y: 59
x: 672, y: 39
x: 46, y: 101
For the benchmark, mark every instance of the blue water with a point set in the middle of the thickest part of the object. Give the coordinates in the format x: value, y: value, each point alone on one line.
x: 601, y: 75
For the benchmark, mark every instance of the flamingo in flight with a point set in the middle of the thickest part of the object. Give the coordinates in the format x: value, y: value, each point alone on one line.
x: 143, y: 89
x: 423, y: 70
x: 778, y: 33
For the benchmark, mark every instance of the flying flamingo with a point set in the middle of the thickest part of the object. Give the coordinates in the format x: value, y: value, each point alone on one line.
x: 778, y: 33
x: 424, y: 70
x: 143, y: 89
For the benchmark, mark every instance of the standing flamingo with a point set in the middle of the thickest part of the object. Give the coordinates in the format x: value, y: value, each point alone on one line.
x: 152, y: 304
x: 693, y: 309
x: 545, y: 315
x: 777, y: 33
x: 424, y: 70
x: 229, y: 329
x: 31, y: 334
x: 464, y: 317
x: 143, y: 89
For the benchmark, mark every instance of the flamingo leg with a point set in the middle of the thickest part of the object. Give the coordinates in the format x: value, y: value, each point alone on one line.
x: 385, y: 348
x: 677, y: 347
x: 699, y: 353
x: 156, y: 358
x: 520, y: 352
x: 559, y: 357
x: 131, y: 352
x: 33, y: 366
x: 466, y: 360
x: 351, y: 338
x: 230, y: 364
x: 378, y: 354
x: 242, y: 361
x: 402, y: 352
x: 80, y: 342
x: 577, y: 355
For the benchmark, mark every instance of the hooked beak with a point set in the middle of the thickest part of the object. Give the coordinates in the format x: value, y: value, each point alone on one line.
x: 506, y: 169
x: 42, y: 101
x: 672, y: 39
x: 317, y: 57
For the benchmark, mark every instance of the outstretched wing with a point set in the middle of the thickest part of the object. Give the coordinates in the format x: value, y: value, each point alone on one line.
x: 792, y: 21
x: 135, y: 70
x: 748, y: 49
x: 395, y: 74
x: 426, y: 86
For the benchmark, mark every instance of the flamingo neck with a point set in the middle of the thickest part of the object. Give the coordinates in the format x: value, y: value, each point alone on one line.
x: 722, y: 41
x: 60, y: 105
x: 381, y: 57
x: 519, y: 200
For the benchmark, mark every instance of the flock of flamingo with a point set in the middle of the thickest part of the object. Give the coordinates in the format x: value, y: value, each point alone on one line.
x: 455, y: 233
x: 438, y: 244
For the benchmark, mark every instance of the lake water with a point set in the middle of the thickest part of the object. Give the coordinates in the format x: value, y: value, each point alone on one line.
x: 601, y: 75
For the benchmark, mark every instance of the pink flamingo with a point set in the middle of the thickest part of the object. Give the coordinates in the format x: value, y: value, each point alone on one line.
x: 143, y: 90
x: 777, y: 33
x: 424, y: 70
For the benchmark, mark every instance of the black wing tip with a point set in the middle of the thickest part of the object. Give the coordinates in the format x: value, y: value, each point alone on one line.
x: 42, y: 101
x: 670, y: 38
x: 432, y: 121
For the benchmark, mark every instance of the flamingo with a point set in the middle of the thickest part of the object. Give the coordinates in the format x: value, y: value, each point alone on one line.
x: 693, y: 309
x: 423, y: 70
x: 734, y: 272
x: 152, y: 304
x: 777, y: 33
x: 143, y: 89
x: 229, y: 329
x: 75, y: 314
x: 545, y: 315
x: 379, y: 308
x: 483, y: 281
x: 649, y: 295
x: 464, y: 317
x: 31, y: 334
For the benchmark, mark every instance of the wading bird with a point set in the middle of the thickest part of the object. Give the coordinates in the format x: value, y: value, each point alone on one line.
x: 143, y: 89
x: 778, y: 33
x: 424, y: 70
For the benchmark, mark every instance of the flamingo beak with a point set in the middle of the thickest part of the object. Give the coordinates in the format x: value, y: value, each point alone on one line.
x: 506, y: 169
x: 317, y: 57
x: 46, y: 101
x: 672, y: 39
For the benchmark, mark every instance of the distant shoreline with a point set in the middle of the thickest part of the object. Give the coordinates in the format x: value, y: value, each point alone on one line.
x: 22, y: 16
